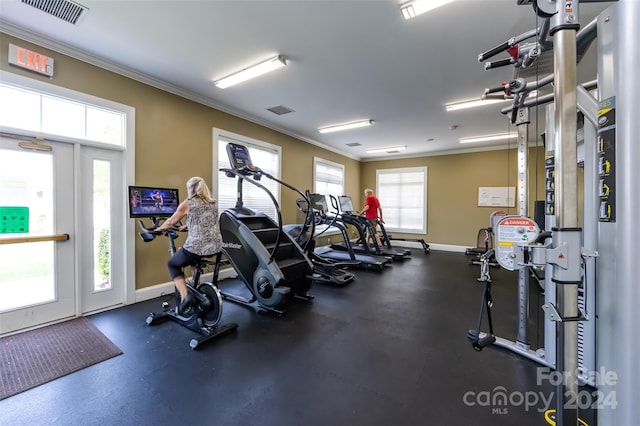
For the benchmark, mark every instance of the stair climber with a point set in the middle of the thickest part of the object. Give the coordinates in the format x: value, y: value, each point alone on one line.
x: 272, y: 265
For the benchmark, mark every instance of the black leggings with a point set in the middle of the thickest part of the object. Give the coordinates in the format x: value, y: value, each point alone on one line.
x: 179, y: 260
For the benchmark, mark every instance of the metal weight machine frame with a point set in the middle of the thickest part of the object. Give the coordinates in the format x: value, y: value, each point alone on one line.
x: 616, y: 238
x: 565, y: 254
x: 518, y: 89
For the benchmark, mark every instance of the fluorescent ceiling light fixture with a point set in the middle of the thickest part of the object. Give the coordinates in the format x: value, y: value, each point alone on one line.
x: 418, y: 7
x: 251, y: 72
x: 489, y: 138
x: 387, y: 149
x: 345, y: 126
x: 472, y: 104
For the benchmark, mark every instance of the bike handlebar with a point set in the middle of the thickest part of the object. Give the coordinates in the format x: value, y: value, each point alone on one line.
x: 149, y: 234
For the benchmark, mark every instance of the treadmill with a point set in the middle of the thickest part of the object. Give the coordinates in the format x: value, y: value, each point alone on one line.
x: 363, y: 226
x: 347, y: 253
x: 325, y: 271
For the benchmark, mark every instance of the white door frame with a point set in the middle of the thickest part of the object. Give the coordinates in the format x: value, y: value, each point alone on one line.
x: 90, y: 300
x: 128, y: 166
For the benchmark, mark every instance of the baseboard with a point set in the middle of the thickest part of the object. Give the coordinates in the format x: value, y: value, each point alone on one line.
x: 167, y: 288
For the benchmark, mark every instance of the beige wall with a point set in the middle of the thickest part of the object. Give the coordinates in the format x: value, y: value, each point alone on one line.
x: 174, y: 142
x: 453, y: 215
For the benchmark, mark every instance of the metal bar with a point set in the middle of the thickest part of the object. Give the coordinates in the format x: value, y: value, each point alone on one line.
x: 566, y: 215
x: 591, y: 202
x: 522, y: 122
x: 20, y: 240
x: 627, y: 292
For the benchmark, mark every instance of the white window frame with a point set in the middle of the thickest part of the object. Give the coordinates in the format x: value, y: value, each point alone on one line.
x: 221, y: 136
x: 385, y: 204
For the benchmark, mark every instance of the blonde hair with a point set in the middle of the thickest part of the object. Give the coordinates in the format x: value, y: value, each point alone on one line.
x: 368, y: 191
x: 197, y: 188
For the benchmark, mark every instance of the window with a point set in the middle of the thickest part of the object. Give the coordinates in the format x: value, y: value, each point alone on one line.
x: 30, y: 110
x: 328, y: 177
x: 263, y: 155
x: 403, y: 196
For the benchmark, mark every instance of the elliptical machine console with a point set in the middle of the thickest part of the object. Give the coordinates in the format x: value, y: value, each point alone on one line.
x: 241, y: 161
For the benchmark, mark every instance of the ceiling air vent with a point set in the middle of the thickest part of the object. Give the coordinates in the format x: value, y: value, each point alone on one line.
x: 64, y: 9
x: 280, y: 110
x: 352, y: 144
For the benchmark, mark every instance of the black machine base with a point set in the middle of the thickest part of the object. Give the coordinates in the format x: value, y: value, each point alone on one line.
x: 257, y: 306
x: 251, y: 303
x: 335, y: 279
x: 192, y: 322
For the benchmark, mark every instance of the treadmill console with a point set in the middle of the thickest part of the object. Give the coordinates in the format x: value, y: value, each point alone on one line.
x: 319, y: 202
x: 241, y: 160
x: 346, y: 204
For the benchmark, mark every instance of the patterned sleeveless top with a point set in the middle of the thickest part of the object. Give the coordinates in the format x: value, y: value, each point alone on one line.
x: 204, y: 237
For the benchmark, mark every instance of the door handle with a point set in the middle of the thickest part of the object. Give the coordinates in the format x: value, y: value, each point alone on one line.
x: 35, y: 239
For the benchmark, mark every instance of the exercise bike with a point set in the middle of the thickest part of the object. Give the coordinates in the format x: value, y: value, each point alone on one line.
x: 203, y: 317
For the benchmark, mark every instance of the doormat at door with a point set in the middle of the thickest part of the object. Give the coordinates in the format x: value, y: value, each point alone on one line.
x: 39, y: 356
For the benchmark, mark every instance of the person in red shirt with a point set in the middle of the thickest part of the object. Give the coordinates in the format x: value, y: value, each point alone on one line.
x: 373, y: 212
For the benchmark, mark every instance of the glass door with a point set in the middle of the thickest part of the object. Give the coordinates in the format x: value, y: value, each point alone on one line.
x: 37, y: 262
x: 101, y: 219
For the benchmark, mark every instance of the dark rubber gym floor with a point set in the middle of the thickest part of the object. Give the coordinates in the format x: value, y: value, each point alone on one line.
x: 388, y: 349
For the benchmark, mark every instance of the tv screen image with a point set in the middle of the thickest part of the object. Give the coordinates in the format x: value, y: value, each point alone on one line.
x: 147, y: 201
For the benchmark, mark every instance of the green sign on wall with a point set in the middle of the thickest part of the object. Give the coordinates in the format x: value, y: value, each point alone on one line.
x: 14, y: 220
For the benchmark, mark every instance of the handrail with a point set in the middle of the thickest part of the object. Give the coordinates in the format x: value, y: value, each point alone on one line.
x: 35, y: 239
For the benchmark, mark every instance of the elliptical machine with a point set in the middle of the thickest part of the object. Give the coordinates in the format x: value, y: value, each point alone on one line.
x: 272, y: 265
x: 325, y: 270
x: 205, y: 316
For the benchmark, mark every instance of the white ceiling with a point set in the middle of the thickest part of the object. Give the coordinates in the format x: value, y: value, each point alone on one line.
x: 347, y: 60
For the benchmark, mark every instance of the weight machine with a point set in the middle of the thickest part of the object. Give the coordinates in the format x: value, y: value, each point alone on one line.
x: 611, y: 203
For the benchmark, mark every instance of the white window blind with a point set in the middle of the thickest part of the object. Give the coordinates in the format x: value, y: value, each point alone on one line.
x: 403, y: 197
x: 266, y: 158
x: 328, y: 177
